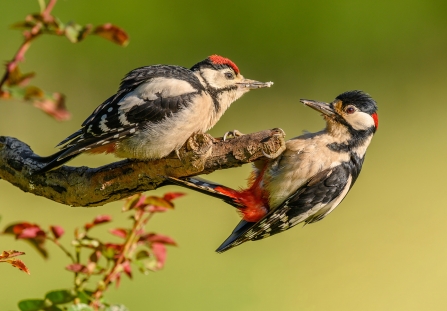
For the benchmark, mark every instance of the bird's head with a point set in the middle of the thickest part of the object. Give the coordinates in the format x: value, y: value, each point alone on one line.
x: 355, y: 111
x: 221, y: 74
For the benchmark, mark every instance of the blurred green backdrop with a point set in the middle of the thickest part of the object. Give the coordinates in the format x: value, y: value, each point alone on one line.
x: 384, y: 248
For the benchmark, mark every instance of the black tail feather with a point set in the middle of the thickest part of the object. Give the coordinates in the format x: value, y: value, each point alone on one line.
x: 53, y: 161
x: 240, y: 229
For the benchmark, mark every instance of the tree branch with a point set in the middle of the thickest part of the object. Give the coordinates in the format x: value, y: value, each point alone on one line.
x: 83, y: 186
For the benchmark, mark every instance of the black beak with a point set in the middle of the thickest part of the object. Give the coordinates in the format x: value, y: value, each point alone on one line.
x: 324, y: 108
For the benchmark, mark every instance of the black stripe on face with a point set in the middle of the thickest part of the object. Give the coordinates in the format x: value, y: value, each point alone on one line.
x: 214, y: 93
x: 358, y: 138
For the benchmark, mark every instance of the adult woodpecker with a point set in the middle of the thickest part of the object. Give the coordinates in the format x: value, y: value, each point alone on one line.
x: 156, y: 109
x: 308, y: 180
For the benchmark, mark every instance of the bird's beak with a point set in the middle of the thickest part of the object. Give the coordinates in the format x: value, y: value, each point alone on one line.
x: 324, y: 108
x: 252, y: 84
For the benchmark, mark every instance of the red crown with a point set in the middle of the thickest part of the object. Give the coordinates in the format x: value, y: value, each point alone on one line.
x: 219, y: 60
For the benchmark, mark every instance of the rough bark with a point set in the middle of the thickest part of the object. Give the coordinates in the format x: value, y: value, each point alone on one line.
x: 83, y: 186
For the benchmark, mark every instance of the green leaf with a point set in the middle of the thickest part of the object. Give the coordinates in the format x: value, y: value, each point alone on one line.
x: 76, y: 33
x: 60, y: 296
x: 117, y: 308
x: 142, y: 254
x: 31, y: 304
x: 80, y: 307
x: 85, y: 296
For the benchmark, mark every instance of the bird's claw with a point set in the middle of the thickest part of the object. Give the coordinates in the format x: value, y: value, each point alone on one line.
x: 232, y: 134
x: 281, y: 149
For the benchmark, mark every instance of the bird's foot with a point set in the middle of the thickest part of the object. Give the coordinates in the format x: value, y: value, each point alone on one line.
x: 177, y: 152
x: 232, y: 134
x: 281, y: 149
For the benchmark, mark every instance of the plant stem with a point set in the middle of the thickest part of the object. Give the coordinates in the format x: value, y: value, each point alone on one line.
x: 63, y: 249
x: 109, y: 277
x: 29, y: 36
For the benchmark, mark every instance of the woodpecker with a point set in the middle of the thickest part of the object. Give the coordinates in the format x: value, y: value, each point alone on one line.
x: 308, y: 180
x: 156, y: 109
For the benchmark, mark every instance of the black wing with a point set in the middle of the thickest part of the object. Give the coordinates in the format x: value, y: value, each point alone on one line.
x: 111, y: 122
x: 140, y: 75
x: 322, y: 189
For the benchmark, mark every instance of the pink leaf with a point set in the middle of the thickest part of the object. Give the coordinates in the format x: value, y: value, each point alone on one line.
x: 57, y: 231
x: 119, y: 232
x: 54, y: 107
x: 160, y: 254
x: 30, y: 233
x: 127, y: 268
x: 158, y: 238
x: 117, y: 280
x: 76, y: 267
x: 102, y: 219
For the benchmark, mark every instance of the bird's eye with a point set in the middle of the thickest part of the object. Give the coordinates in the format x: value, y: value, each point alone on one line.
x: 350, y: 110
x: 229, y: 75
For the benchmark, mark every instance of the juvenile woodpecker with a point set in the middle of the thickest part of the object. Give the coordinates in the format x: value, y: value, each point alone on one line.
x: 308, y: 180
x: 156, y: 109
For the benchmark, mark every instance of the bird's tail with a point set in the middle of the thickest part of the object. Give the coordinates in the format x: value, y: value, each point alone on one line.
x: 53, y: 161
x: 235, y: 238
x: 228, y: 195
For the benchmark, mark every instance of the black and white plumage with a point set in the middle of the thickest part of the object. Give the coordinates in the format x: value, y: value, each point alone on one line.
x: 156, y: 109
x: 309, y: 179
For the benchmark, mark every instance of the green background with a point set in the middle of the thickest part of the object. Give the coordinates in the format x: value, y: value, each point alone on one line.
x: 384, y: 248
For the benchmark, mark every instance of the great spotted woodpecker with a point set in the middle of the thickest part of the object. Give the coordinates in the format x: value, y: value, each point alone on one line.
x: 308, y: 180
x: 156, y: 109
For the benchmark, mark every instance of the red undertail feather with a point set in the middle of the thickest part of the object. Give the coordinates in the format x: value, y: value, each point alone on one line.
x: 110, y: 148
x: 253, y: 199
x: 216, y: 59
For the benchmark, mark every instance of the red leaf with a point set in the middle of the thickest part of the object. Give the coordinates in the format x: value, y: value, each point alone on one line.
x: 119, y: 232
x: 112, y: 33
x: 173, y: 195
x: 158, y: 238
x: 17, y: 263
x: 160, y: 254
x: 33, y: 233
x: 57, y: 231
x: 38, y: 241
x: 11, y: 253
x: 17, y: 229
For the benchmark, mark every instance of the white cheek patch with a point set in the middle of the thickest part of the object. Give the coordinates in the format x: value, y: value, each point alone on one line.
x: 360, y: 120
x: 215, y: 78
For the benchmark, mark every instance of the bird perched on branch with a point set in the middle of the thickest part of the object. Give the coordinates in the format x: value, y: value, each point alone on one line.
x: 308, y: 180
x: 156, y: 109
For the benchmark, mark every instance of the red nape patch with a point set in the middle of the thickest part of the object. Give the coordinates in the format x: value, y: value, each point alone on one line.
x: 376, y: 120
x: 110, y: 148
x: 219, y: 60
